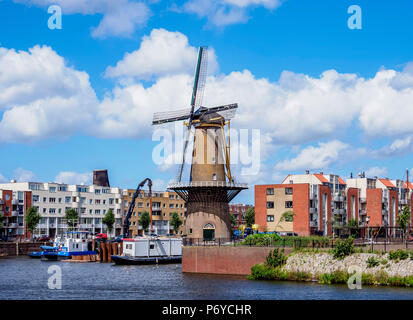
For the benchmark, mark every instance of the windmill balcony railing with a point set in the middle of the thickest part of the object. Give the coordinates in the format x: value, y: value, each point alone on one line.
x: 206, y: 184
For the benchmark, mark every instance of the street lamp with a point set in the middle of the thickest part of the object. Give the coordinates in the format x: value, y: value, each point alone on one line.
x: 368, y: 229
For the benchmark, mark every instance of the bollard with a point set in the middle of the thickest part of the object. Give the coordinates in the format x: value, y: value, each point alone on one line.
x: 17, y: 249
x: 109, y: 246
x: 104, y: 252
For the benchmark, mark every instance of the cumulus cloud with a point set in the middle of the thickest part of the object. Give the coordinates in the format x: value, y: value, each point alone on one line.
x: 162, y: 53
x: 376, y: 172
x: 2, y: 178
x: 120, y: 17
x: 311, y: 157
x: 23, y: 175
x: 226, y: 12
x: 41, y: 96
x: 70, y: 177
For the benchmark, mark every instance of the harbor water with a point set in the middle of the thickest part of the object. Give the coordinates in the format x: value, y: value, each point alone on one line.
x: 23, y: 278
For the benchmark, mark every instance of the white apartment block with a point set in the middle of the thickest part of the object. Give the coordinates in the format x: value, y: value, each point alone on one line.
x: 52, y: 200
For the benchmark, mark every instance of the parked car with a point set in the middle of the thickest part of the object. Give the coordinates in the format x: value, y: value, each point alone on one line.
x: 117, y: 239
x: 43, y: 238
x: 288, y: 234
x: 102, y: 236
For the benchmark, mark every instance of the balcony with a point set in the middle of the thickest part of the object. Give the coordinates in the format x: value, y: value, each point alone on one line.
x: 313, y: 223
x: 313, y: 210
x: 363, y: 199
x: 338, y: 198
x: 338, y: 211
x: 363, y: 212
x: 15, y: 201
x: 12, y: 225
x: 14, y: 214
x: 403, y: 201
x: 1, y: 201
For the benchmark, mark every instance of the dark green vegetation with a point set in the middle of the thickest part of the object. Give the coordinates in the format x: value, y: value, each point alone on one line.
x: 296, y: 242
x: 343, y: 248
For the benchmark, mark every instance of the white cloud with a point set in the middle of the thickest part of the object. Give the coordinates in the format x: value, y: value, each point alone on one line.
x: 314, y: 157
x: 376, y: 172
x: 226, y: 12
x: 41, y: 97
x: 3, y: 179
x: 70, y: 177
x: 161, y: 53
x: 120, y: 17
x: 23, y: 175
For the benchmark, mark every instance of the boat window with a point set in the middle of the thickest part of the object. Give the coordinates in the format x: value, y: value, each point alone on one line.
x: 152, y: 246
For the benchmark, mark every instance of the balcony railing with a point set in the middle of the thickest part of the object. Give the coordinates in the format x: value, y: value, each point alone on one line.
x: 206, y: 184
x: 313, y: 224
x: 362, y: 212
x: 14, y: 214
x: 313, y: 210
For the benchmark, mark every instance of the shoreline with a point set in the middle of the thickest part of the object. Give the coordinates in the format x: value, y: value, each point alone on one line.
x: 386, y: 269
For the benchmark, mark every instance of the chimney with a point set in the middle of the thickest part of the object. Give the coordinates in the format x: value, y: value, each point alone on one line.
x: 100, y: 178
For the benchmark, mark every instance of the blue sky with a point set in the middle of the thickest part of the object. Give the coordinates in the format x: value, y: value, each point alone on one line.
x: 272, y: 59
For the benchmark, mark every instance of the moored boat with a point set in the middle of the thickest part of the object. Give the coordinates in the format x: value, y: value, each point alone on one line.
x: 150, y: 250
x: 74, y: 243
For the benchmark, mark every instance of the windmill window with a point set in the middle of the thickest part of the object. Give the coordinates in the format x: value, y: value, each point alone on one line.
x: 214, y: 177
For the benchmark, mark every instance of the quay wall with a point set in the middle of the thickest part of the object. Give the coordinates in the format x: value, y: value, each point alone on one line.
x: 223, y: 259
x: 19, y: 248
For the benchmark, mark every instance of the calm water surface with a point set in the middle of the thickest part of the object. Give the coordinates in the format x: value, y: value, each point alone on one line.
x: 25, y: 278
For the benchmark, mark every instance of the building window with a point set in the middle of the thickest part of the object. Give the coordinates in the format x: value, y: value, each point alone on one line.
x: 288, y: 190
x: 35, y: 198
x: 270, y: 204
x: 270, y: 191
x: 288, y: 204
x: 67, y: 199
x: 270, y: 218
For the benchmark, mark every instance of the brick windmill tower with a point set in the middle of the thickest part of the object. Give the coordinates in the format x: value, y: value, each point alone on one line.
x: 210, y: 186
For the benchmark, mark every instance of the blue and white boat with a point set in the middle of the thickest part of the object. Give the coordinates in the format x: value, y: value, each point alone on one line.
x: 74, y: 243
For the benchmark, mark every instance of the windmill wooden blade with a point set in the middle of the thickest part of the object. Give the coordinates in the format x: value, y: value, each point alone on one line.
x: 170, y: 116
x: 226, y: 111
x: 200, y: 78
x: 181, y: 169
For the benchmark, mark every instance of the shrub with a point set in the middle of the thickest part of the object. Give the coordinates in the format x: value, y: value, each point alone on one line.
x: 398, y: 254
x: 262, y: 272
x: 300, y: 276
x: 261, y: 239
x: 276, y: 258
x: 335, y: 277
x: 372, y: 262
x: 384, y: 261
x: 343, y: 248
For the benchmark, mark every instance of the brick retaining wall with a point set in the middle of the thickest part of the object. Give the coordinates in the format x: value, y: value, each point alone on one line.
x: 223, y: 260
x: 19, y: 248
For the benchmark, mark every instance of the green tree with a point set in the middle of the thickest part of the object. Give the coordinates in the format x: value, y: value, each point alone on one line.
x: 145, y: 220
x: 287, y: 216
x: 403, y: 219
x: 176, y: 222
x: 233, y: 220
x: 109, y: 220
x: 71, y: 217
x: 32, y: 219
x: 250, y: 217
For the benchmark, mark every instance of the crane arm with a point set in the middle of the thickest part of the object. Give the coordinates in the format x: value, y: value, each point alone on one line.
x: 126, y: 222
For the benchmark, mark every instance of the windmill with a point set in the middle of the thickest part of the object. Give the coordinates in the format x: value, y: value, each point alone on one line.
x: 211, y: 185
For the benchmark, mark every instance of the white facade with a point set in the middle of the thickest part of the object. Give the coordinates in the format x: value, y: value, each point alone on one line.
x: 53, y: 199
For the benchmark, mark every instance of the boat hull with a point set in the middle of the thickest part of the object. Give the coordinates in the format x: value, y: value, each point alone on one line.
x: 62, y: 255
x: 35, y: 255
x: 123, y: 260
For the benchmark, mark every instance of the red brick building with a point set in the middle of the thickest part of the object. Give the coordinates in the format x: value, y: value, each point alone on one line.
x: 239, y: 211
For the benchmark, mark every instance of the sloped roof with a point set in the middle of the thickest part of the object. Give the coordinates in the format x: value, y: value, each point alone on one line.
x: 320, y: 177
x: 410, y: 185
x: 387, y: 183
x: 341, y: 181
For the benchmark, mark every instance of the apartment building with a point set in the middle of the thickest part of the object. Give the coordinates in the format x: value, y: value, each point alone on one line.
x: 13, y: 207
x: 238, y: 210
x: 52, y: 200
x: 319, y: 202
x: 163, y: 205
